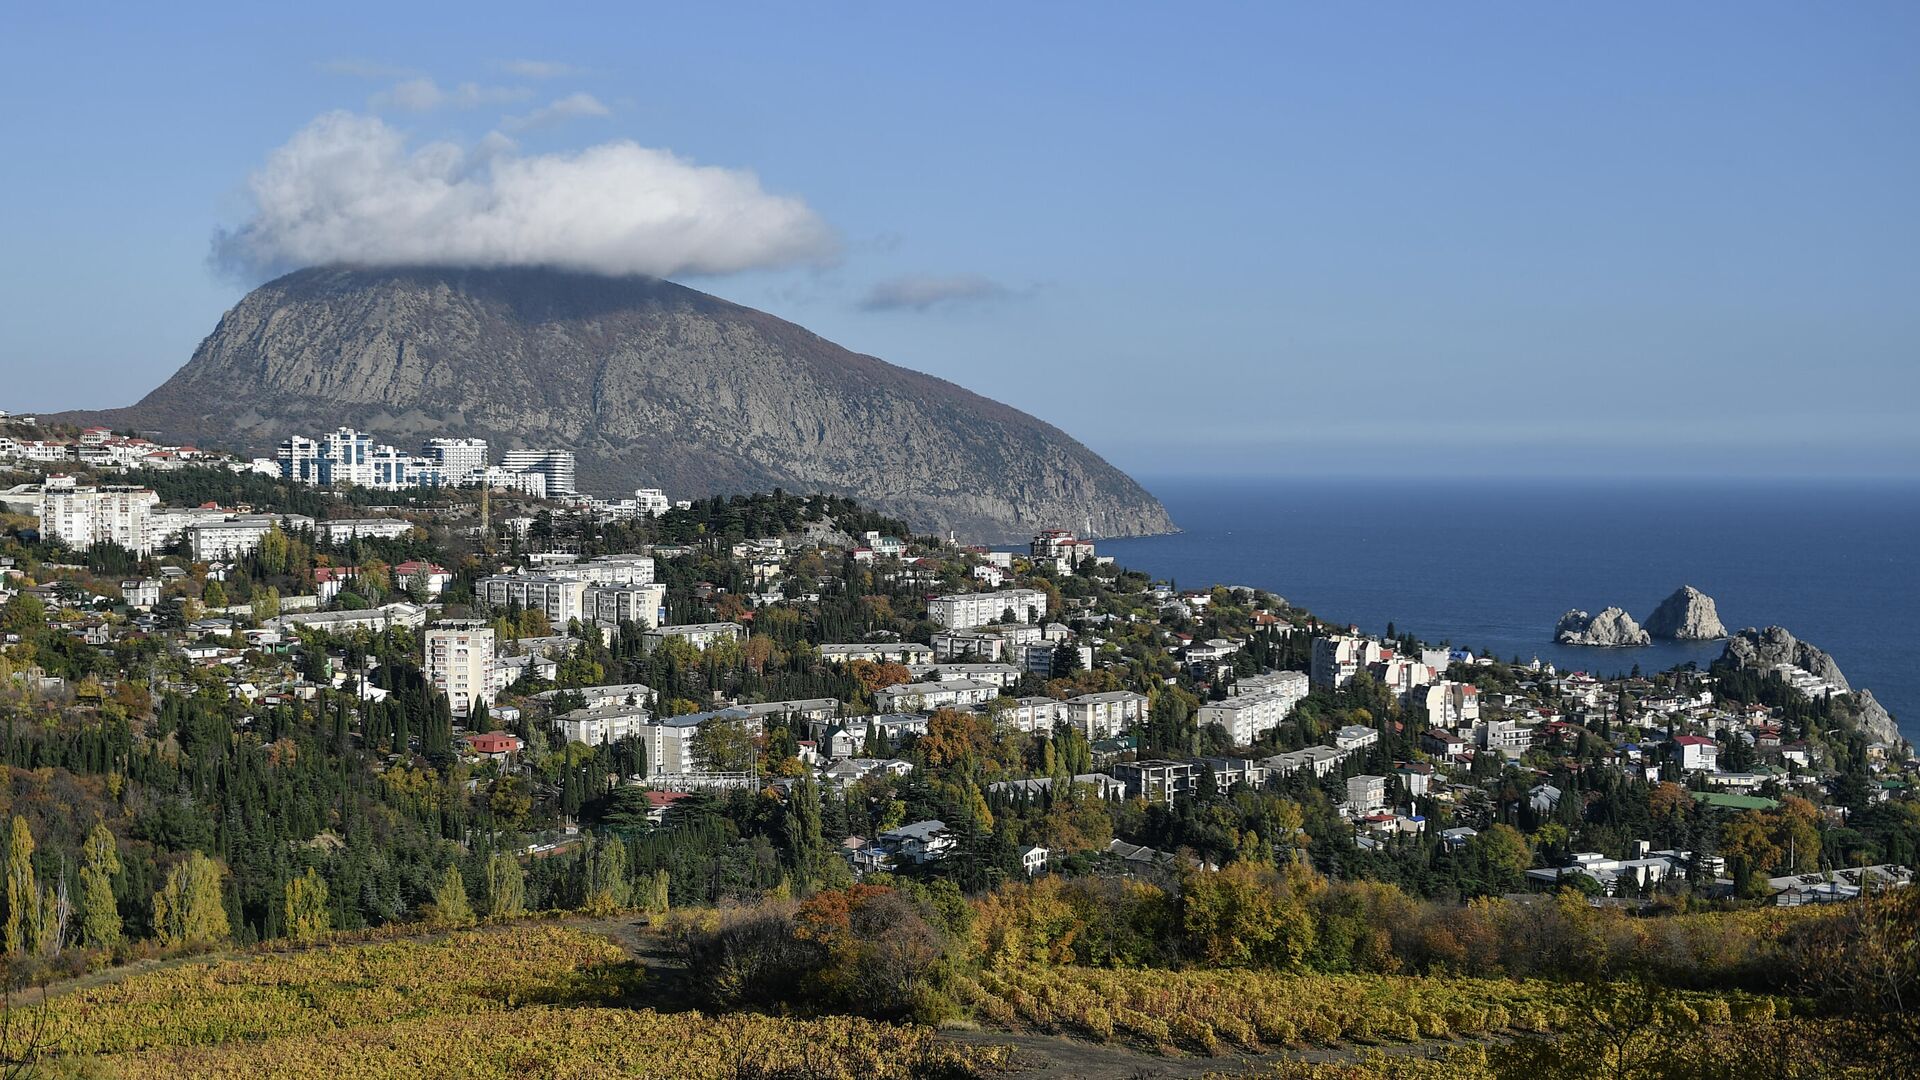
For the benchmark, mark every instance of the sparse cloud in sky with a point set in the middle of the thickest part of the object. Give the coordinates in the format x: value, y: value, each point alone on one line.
x: 570, y: 107
x: 350, y: 189
x: 357, y: 68
x: 918, y: 292
x: 539, y: 69
x: 425, y: 95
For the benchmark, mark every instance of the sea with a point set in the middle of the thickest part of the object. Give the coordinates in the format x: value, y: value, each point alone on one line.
x: 1493, y: 564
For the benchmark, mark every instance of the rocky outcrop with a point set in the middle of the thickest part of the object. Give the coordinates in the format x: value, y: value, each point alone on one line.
x: 1687, y: 615
x: 1611, y: 629
x: 649, y: 383
x: 1765, y: 650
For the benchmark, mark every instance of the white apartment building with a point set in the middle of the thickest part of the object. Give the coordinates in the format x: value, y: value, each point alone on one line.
x: 556, y: 465
x: 1450, y: 704
x: 919, y: 696
x: 880, y: 652
x: 499, y: 478
x: 1034, y: 714
x: 699, y: 635
x: 1367, y: 792
x: 1354, y: 737
x: 1248, y: 716
x: 1337, y: 659
x: 165, y: 524
x: 606, y: 724
x: 1001, y: 675
x: 561, y: 599
x: 458, y: 459
x: 459, y: 664
x: 238, y: 534
x: 609, y: 570
x: 81, y: 517
x: 341, y: 530
x: 1100, y: 716
x: 610, y: 605
x: 963, y: 611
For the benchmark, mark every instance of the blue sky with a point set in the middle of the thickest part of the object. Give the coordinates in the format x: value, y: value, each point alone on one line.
x: 1495, y: 239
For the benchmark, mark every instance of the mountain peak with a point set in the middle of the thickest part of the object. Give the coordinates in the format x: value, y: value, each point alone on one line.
x: 650, y: 383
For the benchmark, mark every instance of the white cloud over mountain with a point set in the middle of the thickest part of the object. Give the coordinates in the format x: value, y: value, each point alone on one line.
x: 351, y: 189
x: 921, y: 291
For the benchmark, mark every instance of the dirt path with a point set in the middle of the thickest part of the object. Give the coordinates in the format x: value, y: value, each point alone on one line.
x: 1061, y: 1055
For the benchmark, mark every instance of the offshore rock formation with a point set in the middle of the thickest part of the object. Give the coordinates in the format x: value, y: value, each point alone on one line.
x: 1687, y: 615
x: 649, y: 383
x: 1612, y: 629
x: 1764, y: 650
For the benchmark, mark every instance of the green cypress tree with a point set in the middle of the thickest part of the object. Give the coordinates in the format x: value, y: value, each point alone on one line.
x: 100, y: 926
x: 23, y: 894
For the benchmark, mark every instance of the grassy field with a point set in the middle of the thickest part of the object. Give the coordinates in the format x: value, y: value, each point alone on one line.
x: 522, y: 1000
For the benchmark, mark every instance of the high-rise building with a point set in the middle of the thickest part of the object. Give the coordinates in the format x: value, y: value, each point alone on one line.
x: 346, y: 457
x: 458, y: 458
x: 81, y: 517
x: 555, y: 465
x: 459, y: 664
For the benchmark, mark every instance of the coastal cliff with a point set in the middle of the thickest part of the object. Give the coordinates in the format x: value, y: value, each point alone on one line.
x: 1764, y: 650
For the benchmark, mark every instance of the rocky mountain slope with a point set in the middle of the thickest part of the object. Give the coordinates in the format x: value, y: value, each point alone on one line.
x: 1763, y: 650
x: 650, y: 383
x: 1612, y: 628
x: 1687, y: 615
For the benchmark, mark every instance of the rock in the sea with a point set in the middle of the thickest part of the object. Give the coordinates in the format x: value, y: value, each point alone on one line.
x: 1764, y: 650
x: 1611, y: 629
x: 1687, y: 615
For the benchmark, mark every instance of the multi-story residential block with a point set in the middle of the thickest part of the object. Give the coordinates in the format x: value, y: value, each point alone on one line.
x: 699, y: 635
x: 611, y: 723
x: 1450, y: 704
x: 140, y: 592
x: 1367, y: 792
x: 239, y: 534
x: 1099, y: 716
x: 1318, y: 760
x: 609, y: 570
x: 500, y: 478
x: 880, y: 652
x: 1033, y: 713
x: 458, y: 459
x: 459, y: 664
x: 1337, y: 659
x: 1228, y: 771
x: 1256, y: 705
x: 610, y: 605
x: 1158, y: 780
x: 919, y: 696
x: 1354, y: 737
x: 81, y: 517
x: 562, y: 600
x: 1001, y: 675
x: 1060, y: 549
x: 556, y: 465
x: 342, y: 530
x: 966, y: 610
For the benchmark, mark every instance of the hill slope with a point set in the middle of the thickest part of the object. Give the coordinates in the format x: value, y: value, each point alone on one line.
x: 652, y: 385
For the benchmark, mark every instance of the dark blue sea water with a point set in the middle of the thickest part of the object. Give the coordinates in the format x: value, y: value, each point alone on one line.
x: 1493, y: 564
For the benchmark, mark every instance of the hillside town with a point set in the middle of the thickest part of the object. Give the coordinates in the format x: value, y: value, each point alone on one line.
x: 984, y: 714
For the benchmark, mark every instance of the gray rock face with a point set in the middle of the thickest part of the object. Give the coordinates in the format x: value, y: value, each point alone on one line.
x: 1762, y: 650
x: 650, y: 384
x: 1611, y: 629
x: 1687, y: 615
